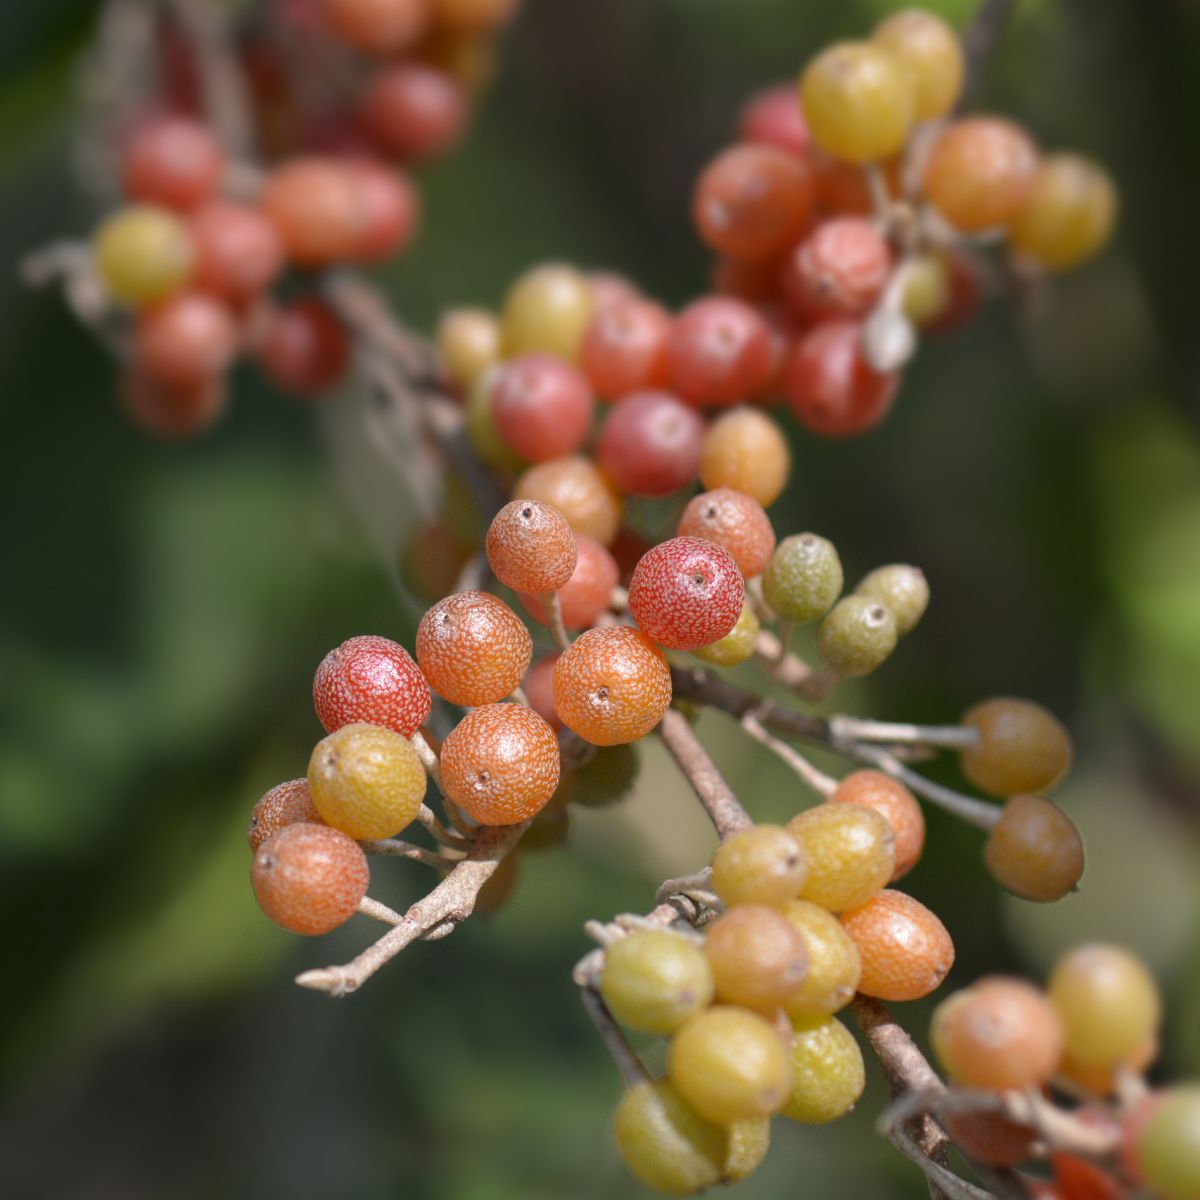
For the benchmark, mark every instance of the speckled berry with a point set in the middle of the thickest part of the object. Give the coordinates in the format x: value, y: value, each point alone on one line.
x: 850, y: 851
x: 587, y: 593
x: 371, y: 679
x: 898, y: 587
x: 285, y: 804
x: 580, y: 491
x: 856, y: 636
x: 686, y: 592
x: 530, y: 547
x: 758, y: 958
x: 834, y: 964
x: 803, y: 577
x: 905, y: 950
x: 896, y: 804
x: 654, y: 980
x: 745, y: 450
x: 1021, y: 748
x: 760, y: 865
x: 473, y: 648
x: 828, y: 1074
x: 736, y: 646
x: 734, y: 521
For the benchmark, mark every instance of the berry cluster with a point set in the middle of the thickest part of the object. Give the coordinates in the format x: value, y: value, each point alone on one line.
x: 210, y: 261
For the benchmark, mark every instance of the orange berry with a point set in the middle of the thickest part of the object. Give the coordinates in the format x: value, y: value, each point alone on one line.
x: 758, y: 958
x: 366, y: 781
x: 999, y: 1034
x: 309, y: 878
x: 612, y: 685
x: 906, y: 951
x: 746, y: 451
x: 896, y: 805
x: 1022, y: 747
x: 531, y: 548
x: 473, y: 648
x: 500, y: 764
x: 1035, y: 850
x: 586, y: 594
x: 539, y: 690
x: 734, y: 521
x: 580, y: 491
x: 850, y: 851
x: 285, y: 804
x: 834, y: 964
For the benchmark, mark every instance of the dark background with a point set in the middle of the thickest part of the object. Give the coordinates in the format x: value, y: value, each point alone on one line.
x: 162, y: 609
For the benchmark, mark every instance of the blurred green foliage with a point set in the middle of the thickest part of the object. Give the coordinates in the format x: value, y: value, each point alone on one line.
x: 163, y: 609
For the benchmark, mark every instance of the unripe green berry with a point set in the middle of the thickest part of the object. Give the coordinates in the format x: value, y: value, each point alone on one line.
x: 856, y: 636
x: 828, y: 1071
x: 736, y: 646
x: 669, y: 1147
x: 654, y: 980
x: 901, y: 588
x: 1168, y: 1149
x: 803, y: 578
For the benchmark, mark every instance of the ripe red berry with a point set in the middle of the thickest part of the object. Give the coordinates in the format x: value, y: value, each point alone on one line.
x: 371, y: 679
x: 830, y: 386
x: 303, y: 347
x: 185, y: 342
x: 309, y: 878
x: 174, y: 161
x: 389, y: 206
x: 624, y: 345
x: 318, y: 210
x: 414, y: 111
x: 500, y: 764
x: 173, y: 413
x: 753, y: 201
x: 650, y: 444
x: 772, y: 117
x: 718, y: 352
x: 686, y: 593
x: 238, y: 252
x: 839, y: 270
x: 531, y: 548
x: 734, y: 521
x: 285, y: 804
x: 378, y: 26
x: 586, y: 594
x: 542, y: 406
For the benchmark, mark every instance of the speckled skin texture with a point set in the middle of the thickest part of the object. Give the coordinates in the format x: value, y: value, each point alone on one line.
x: 650, y: 444
x: 803, y: 577
x: 309, y: 878
x: 612, y: 686
x: 735, y: 522
x: 578, y: 489
x: 542, y: 406
x: 586, y: 594
x: 906, y: 951
x: 902, y: 588
x: 850, y: 851
x: 856, y: 636
x: 530, y: 547
x: 371, y: 679
x: 686, y: 592
x: 828, y: 1074
x: 285, y: 804
x: 896, y: 805
x: 500, y: 764
x: 473, y: 648
x: 839, y: 270
x: 834, y: 964
x: 746, y: 451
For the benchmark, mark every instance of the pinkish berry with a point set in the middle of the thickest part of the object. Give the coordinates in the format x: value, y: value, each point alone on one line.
x: 718, y: 352
x: 374, y: 680
x: 734, y: 521
x: 587, y: 593
x: 686, y: 593
x: 650, y: 444
x: 839, y: 270
x: 542, y: 406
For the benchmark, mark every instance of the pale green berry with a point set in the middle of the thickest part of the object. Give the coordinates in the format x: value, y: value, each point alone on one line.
x: 902, y: 588
x: 803, y: 578
x: 856, y: 636
x: 654, y: 980
x: 1169, y: 1147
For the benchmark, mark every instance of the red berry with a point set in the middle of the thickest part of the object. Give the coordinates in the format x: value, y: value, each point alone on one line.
x: 586, y: 594
x: 839, y: 270
x: 173, y: 161
x: 414, y: 111
x: 318, y: 210
x: 718, y: 352
x: 734, y: 521
x: 238, y: 252
x: 390, y: 210
x: 539, y: 690
x: 542, y: 406
x: 650, y: 444
x: 686, y: 593
x: 374, y: 680
x: 830, y: 386
x: 185, y: 342
x: 772, y: 117
x: 624, y: 344
x: 173, y: 413
x: 303, y: 347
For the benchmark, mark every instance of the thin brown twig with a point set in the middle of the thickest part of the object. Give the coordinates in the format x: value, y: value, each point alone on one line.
x: 980, y: 40
x: 723, y: 807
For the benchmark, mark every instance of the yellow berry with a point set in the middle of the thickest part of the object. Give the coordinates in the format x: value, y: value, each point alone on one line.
x: 143, y: 254
x: 547, y: 309
x: 654, y: 980
x: 827, y: 1068
x: 851, y: 852
x: 834, y: 964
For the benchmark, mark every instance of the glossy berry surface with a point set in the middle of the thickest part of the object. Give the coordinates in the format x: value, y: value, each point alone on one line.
x: 752, y: 201
x: 686, y: 592
x: 1022, y: 747
x: 530, y: 547
x: 473, y: 648
x: 1035, y: 850
x: 729, y: 1064
x: 542, y: 406
x: 828, y: 1073
x: 734, y: 521
x: 143, y: 255
x: 850, y: 852
x: 366, y: 781
x: 856, y: 636
x: 185, y: 341
x: 772, y: 117
x: 898, y: 807
x: 900, y: 588
x: 588, y: 592
x: 1068, y: 214
x: 931, y: 53
x: 906, y: 951
x: 468, y: 343
x: 838, y: 271
x: 377, y: 26
x: 173, y: 413
x: 831, y: 388
x: 389, y: 210
x: 414, y: 111
x: 374, y: 680
x: 500, y: 764
x: 238, y: 253
x: 650, y: 444
x: 745, y: 450
x: 760, y: 865
x: 757, y: 957
x: 1168, y: 1148
x: 580, y: 491
x: 316, y: 209
x: 803, y: 577
x: 611, y: 686
x: 1000, y: 1033
x: 309, y: 878
x: 834, y: 964
x: 654, y: 980
x: 623, y: 346
x: 546, y: 311
x: 718, y: 352
x: 285, y: 804
x: 303, y: 347
x: 173, y: 161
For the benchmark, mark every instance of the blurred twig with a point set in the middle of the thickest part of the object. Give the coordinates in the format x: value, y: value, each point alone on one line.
x: 979, y: 42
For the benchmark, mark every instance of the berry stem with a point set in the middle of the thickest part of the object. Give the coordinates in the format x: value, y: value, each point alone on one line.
x: 723, y: 807
x: 627, y: 1061
x: 429, y: 822
x: 785, y: 637
x: 396, y: 848
x: 824, y: 785
x: 862, y: 729
x: 378, y: 912
x: 554, y: 617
